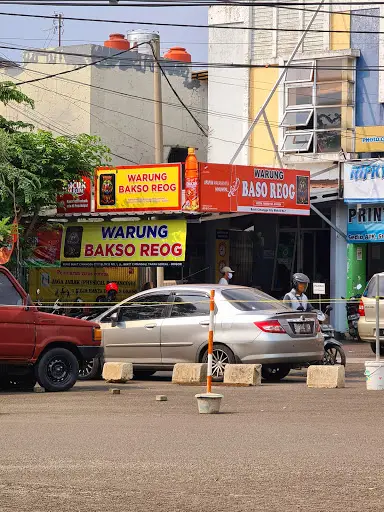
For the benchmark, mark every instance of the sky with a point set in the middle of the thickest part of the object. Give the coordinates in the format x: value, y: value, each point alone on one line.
x: 38, y: 33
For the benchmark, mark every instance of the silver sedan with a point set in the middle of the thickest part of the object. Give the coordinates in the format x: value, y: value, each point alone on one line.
x: 160, y: 327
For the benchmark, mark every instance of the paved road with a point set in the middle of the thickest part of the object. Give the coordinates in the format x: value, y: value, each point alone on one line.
x: 279, y: 447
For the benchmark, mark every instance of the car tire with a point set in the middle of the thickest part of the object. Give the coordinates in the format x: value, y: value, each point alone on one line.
x: 274, y: 372
x: 89, y: 369
x: 373, y: 348
x: 143, y: 374
x: 222, y: 355
x: 57, y: 370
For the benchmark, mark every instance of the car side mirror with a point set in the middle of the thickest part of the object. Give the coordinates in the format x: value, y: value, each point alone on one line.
x: 28, y: 302
x: 115, y: 318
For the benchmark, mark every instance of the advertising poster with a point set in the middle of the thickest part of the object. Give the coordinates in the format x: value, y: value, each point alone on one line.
x: 124, y: 244
x: 239, y: 188
x: 149, y: 188
x: 364, y: 182
x: 365, y: 224
x: 76, y: 198
x: 67, y: 284
x: 222, y: 251
x: 45, y: 246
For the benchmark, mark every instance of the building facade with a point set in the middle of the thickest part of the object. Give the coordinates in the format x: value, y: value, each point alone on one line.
x: 112, y: 99
x: 327, y: 109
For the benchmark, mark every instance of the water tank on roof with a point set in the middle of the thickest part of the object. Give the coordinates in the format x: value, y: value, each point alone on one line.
x: 136, y: 39
x: 117, y: 41
x: 178, y: 53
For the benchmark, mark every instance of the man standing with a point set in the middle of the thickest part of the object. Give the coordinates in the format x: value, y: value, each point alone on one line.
x: 227, y: 275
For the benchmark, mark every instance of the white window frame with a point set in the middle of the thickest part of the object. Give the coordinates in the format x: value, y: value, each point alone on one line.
x: 303, y: 106
x: 293, y: 134
x: 297, y: 64
x: 310, y: 114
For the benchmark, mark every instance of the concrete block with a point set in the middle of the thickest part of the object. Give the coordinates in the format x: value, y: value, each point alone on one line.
x: 324, y: 376
x: 117, y: 372
x: 161, y: 398
x: 242, y: 374
x: 114, y: 391
x: 189, y: 373
x: 209, y: 403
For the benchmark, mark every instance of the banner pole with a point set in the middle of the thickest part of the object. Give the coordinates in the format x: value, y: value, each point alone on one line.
x: 377, y: 318
x: 210, y: 340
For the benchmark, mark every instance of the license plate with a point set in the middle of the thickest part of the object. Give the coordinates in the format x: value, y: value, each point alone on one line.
x: 353, y: 317
x: 302, y: 328
x: 381, y: 331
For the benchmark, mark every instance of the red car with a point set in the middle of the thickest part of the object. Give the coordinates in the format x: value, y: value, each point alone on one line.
x: 38, y: 346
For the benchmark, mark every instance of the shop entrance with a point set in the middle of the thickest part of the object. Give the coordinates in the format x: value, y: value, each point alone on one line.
x: 301, y: 249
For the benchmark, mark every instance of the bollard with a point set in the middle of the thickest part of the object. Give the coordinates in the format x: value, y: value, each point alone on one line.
x: 209, y: 403
x: 210, y: 340
x: 377, y: 318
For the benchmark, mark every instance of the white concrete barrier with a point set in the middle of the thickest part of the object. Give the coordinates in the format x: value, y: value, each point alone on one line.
x: 242, y: 374
x: 324, y: 376
x: 117, y: 372
x: 189, y: 373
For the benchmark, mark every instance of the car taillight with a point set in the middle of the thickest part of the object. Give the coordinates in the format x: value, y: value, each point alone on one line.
x: 270, y: 326
x: 361, y: 308
x: 97, y: 334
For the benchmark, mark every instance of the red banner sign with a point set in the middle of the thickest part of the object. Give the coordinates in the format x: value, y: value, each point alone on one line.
x: 239, y: 188
x: 77, y: 197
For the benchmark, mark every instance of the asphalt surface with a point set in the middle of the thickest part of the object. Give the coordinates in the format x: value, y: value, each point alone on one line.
x: 278, y: 447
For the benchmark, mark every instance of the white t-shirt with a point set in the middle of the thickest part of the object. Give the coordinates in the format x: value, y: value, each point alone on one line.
x: 223, y: 281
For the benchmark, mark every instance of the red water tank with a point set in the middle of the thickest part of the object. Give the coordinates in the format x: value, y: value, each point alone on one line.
x: 117, y: 41
x: 178, y: 53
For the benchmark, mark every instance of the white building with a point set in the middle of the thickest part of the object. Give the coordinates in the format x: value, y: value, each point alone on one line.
x: 327, y: 108
x: 112, y: 99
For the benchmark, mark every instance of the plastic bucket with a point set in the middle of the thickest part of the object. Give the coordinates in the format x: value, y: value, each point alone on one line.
x: 374, y: 374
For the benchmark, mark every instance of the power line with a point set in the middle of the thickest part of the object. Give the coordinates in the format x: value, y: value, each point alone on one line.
x: 215, y: 27
x: 62, y: 130
x: 77, y: 68
x: 197, y: 122
x: 307, y: 156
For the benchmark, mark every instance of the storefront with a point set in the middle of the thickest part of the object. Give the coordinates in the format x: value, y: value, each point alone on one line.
x: 364, y: 195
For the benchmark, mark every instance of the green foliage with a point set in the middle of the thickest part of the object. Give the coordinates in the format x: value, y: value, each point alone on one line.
x: 35, y: 165
x: 45, y: 164
x: 5, y: 230
x: 10, y: 93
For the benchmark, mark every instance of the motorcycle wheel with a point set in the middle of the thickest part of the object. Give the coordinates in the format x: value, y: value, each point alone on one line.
x: 334, y: 354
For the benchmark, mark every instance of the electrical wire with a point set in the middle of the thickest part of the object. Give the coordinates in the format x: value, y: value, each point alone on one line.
x: 78, y: 68
x: 62, y: 130
x: 197, y: 122
x: 215, y: 27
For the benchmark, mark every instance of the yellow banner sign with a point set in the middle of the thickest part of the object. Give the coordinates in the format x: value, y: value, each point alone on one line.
x: 149, y: 188
x: 124, y: 244
x: 87, y: 284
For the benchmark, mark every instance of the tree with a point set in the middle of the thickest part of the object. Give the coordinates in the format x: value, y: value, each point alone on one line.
x: 39, y: 166
x: 10, y: 93
x: 35, y: 165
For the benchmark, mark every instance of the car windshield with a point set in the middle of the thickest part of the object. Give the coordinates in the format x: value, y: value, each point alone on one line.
x: 370, y: 291
x: 248, y: 299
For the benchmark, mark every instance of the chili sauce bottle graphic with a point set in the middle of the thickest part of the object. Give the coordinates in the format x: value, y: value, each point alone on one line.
x: 191, y: 181
x: 107, y: 189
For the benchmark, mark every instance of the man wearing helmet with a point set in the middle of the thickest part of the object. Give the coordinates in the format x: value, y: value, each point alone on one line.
x: 296, y: 298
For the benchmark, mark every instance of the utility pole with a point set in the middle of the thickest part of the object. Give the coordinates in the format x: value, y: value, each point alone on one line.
x: 60, y: 25
x: 158, y: 118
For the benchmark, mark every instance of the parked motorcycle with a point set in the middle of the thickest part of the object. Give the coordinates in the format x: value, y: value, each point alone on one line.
x: 333, y: 349
x: 352, y: 306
